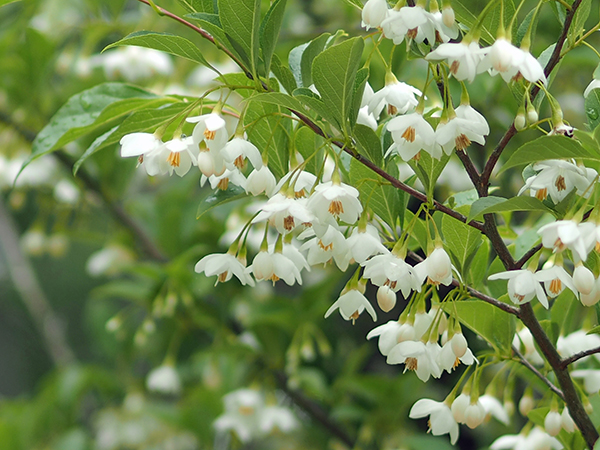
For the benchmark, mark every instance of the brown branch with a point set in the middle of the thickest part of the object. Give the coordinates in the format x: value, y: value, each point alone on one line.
x: 577, y: 356
x: 538, y: 374
x: 572, y: 400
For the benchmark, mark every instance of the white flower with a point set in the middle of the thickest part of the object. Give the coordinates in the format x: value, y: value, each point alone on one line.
x: 405, y: 22
x: 459, y: 406
x: 474, y: 414
x: 351, y: 304
x: 366, y: 118
x: 493, y: 407
x: 390, y: 270
x: 222, y: 181
x: 558, y: 178
x: 209, y: 128
x: 301, y: 182
x: 285, y: 213
x: 444, y: 33
x: 504, y: 58
x: 458, y: 133
x: 137, y: 144
x: 386, y: 298
x: 274, y: 266
x: 455, y: 351
x: 416, y: 356
x: 440, y: 421
x: 522, y: 286
x: 392, y: 333
x: 398, y: 96
x: 335, y: 200
x: 566, y: 420
x: 564, y: 234
x: 363, y: 244
x: 411, y: 134
x: 591, y: 379
x: 261, y: 180
x: 525, y: 339
x: 436, y: 268
x: 373, y: 13
x: 555, y: 280
x: 594, y: 84
x: 576, y: 342
x: 179, y: 155
x: 553, y: 423
x: 330, y: 245
x: 108, y: 260
x: 237, y: 150
x: 164, y: 380
x: 479, y: 125
x: 584, y: 279
x: 462, y: 58
x: 133, y: 63
x: 224, y: 266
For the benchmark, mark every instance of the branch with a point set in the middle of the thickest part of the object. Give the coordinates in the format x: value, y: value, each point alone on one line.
x: 313, y: 410
x: 577, y: 356
x: 538, y: 374
x: 26, y: 284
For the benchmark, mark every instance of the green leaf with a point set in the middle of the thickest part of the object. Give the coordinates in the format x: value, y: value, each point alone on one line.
x: 549, y: 147
x: 377, y: 193
x: 269, y: 31
x: 218, y: 198
x: 462, y: 240
x: 166, y: 42
x: 310, y: 99
x: 491, y: 323
x: 479, y: 266
x: 7, y: 2
x: 578, y: 26
x: 201, y: 6
x: 140, y: 121
x: 85, y: 112
x: 592, y: 108
x: 491, y: 204
x: 270, y: 132
x: 241, y: 23
x: 308, y: 55
x: 357, y: 94
x: 278, y: 98
x: 369, y: 144
x: 429, y: 169
x: 212, y: 24
x: 334, y: 72
x: 283, y: 74
x: 306, y: 142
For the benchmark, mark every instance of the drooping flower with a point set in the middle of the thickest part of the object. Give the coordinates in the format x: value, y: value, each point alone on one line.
x: 373, y: 13
x: 411, y: 134
x: 209, y: 128
x: 390, y: 334
x: 524, y: 340
x: 285, y: 213
x: 386, y: 298
x: 457, y: 133
x: 390, y: 270
x: 364, y: 244
x: 236, y: 151
x: 331, y: 244
x: 463, y: 58
x: 164, y: 380
x: 441, y: 420
x: 224, y: 266
x: 399, y: 97
x: 179, y: 155
x: 553, y: 423
x: 351, y: 304
x: 261, y: 180
x: 555, y: 280
x: 436, y: 268
x: 493, y: 408
x: 564, y: 234
x: 405, y: 23
x: 416, y: 356
x: 522, y: 286
x: 335, y: 200
x: 274, y: 266
x: 510, y: 61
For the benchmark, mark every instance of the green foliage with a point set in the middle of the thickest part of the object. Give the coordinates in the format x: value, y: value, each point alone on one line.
x: 492, y: 204
x: 269, y: 31
x: 592, y: 109
x: 241, y: 23
x: 462, y: 241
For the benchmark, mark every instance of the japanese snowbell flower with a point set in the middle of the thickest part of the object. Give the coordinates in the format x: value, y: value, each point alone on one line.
x: 179, y: 155
x: 386, y: 298
x: 504, y: 58
x: 138, y: 144
x: 564, y: 234
x: 416, y: 356
x: 224, y: 266
x: 399, y: 97
x: 479, y: 125
x: 525, y: 339
x: 444, y: 32
x: 351, y: 304
x: 285, y: 213
x: 522, y: 286
x: 493, y: 407
x: 222, y: 181
x: 458, y: 133
x: 555, y: 280
x: 405, y: 22
x: 390, y: 334
x: 576, y: 342
x: 363, y: 244
x: 463, y: 58
x: 273, y: 266
x: 390, y: 270
x: 164, y: 380
x: 209, y: 128
x: 537, y: 439
x: 236, y: 151
x: 411, y: 134
x: 335, y: 200
x: 591, y: 379
x: 329, y: 245
x: 373, y: 13
x: 436, y: 268
x: 261, y: 180
x: 441, y: 420
x: 211, y: 162
x: 366, y: 118
x: 558, y: 178
x: 553, y: 423
x: 302, y: 182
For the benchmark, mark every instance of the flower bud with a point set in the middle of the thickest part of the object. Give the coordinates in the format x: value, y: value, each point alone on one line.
x: 386, y: 298
x: 583, y: 279
x: 164, y: 380
x: 448, y: 16
x: 532, y: 115
x: 520, y: 121
x: 553, y: 423
x: 509, y: 407
x: 526, y: 404
x: 474, y: 415
x: 459, y: 406
x: 567, y: 421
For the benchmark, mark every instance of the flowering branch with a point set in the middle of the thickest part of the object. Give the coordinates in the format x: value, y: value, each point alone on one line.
x: 577, y: 356
x: 537, y: 373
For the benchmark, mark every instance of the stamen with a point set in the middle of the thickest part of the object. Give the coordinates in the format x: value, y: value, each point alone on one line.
x: 412, y: 33
x: 409, y: 134
x: 560, y: 183
x: 239, y: 162
x: 209, y: 135
x: 519, y: 297
x: 223, y: 277
x: 223, y: 184
x: 174, y: 159
x: 288, y: 223
x: 392, y: 110
x: 558, y: 245
x: 336, y: 208
x: 354, y: 316
x: 140, y: 159
x: 454, y: 66
x: 411, y: 364
x: 327, y: 247
x: 556, y: 286
x: 541, y: 194
x: 462, y: 142
x: 246, y: 410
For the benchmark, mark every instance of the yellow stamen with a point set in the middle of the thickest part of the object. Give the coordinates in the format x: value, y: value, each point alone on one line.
x: 560, y: 183
x: 392, y: 110
x: 327, y: 247
x: 462, y: 142
x: 174, y: 159
x: 223, y: 277
x: 223, y: 184
x: 209, y: 135
x: 411, y: 364
x: 555, y: 286
x: 409, y: 134
x: 336, y: 208
x: 541, y: 194
x: 412, y: 33
x: 354, y: 316
x: 246, y: 410
x: 239, y: 162
x: 454, y: 67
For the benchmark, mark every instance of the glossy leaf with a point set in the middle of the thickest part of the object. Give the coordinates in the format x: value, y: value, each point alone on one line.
x: 240, y: 20
x: 491, y: 204
x: 429, y: 169
x: 218, y: 198
x: 269, y: 31
x: 461, y: 240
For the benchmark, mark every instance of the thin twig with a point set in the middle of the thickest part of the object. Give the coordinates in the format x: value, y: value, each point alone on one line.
x: 577, y: 356
x: 538, y: 374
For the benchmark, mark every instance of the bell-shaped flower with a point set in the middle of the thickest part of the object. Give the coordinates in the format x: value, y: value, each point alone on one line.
x: 222, y: 181
x: 583, y: 279
x: 274, y: 266
x: 295, y: 255
x: 390, y: 334
x: 236, y: 151
x: 510, y: 61
x: 366, y: 118
x: 443, y: 31
x: 139, y: 144
x: 390, y: 270
x: 555, y: 280
x: 578, y: 341
x: 524, y: 341
x: 209, y: 128
x: 261, y: 180
x: 463, y: 58
x: 553, y: 423
x: 322, y: 249
x: 564, y: 234
x: 335, y: 200
x: 386, y: 298
x: 537, y: 439
x: 493, y: 408
x: 224, y: 266
x: 374, y: 12
x: 416, y: 356
x: 591, y: 379
x: 454, y: 352
x: 164, y: 380
x: 351, y: 304
x: 522, y: 286
x: 441, y: 420
x: 436, y: 268
x: 285, y: 213
x: 405, y: 22
x: 180, y: 157
x: 411, y: 134
x: 302, y: 182
x: 399, y: 97
x: 479, y: 125
x: 457, y: 133
x: 211, y: 162
x: 363, y: 244
x: 567, y: 421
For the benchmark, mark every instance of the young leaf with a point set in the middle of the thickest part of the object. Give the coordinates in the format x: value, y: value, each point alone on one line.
x: 368, y: 144
x: 241, y: 23
x: 269, y: 31
x: 166, y: 42
x: 491, y: 204
x: 202, y: 6
x: 212, y: 24
x: 218, y: 198
x: 334, y: 72
x: 429, y: 169
x: 310, y: 99
x: 549, y: 147
x: 284, y: 74
x: 461, y: 240
x: 81, y: 113
x: 592, y: 108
